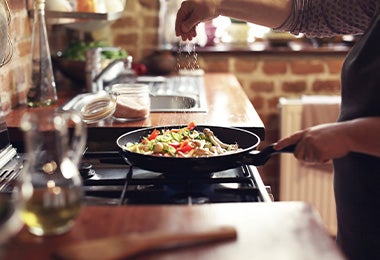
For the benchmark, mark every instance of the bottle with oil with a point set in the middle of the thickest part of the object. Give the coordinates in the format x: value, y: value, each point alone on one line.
x: 53, y: 155
x: 43, y: 91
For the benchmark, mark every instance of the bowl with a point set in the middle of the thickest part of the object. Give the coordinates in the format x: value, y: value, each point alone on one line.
x: 75, y: 70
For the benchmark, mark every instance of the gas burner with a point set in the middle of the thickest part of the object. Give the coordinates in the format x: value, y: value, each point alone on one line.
x: 112, y: 179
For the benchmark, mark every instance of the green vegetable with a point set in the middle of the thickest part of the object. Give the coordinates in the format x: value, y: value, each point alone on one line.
x: 77, y: 51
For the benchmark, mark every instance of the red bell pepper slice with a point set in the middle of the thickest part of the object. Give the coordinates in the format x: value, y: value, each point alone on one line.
x: 185, y: 147
x: 191, y: 125
x: 153, y: 135
x: 174, y: 144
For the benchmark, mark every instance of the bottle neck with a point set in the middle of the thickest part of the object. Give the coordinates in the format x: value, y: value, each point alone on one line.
x: 39, y: 6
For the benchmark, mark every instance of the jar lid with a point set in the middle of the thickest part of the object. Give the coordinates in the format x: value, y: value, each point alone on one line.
x: 98, y: 109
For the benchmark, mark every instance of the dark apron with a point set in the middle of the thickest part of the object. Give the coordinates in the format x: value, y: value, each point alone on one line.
x: 357, y: 176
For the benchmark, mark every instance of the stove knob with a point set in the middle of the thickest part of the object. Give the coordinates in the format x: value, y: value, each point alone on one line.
x: 86, y: 170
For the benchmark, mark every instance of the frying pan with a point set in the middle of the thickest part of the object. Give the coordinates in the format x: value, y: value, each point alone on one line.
x: 178, y: 166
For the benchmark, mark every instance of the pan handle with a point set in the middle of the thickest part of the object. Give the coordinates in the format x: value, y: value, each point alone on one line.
x: 259, y: 158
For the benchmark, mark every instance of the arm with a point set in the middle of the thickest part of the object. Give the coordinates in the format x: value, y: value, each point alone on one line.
x: 328, y: 141
x: 267, y: 13
x: 326, y: 18
x: 271, y: 13
x: 315, y: 18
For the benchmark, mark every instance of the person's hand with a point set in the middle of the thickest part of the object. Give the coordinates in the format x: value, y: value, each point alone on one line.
x: 318, y: 144
x: 191, y: 13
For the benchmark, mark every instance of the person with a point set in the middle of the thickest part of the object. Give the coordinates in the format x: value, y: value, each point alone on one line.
x: 353, y: 142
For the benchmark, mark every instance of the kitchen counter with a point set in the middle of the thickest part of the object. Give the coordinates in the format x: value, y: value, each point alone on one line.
x: 279, y: 230
x: 228, y: 105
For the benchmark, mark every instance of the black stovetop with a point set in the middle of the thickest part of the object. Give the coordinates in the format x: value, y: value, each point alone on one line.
x: 108, y: 179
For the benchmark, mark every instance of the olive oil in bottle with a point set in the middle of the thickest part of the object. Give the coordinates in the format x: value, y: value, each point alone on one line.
x: 52, y: 211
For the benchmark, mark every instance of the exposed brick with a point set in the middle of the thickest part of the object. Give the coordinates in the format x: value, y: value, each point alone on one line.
x: 19, y: 75
x: 131, y: 38
x: 126, y: 22
x: 306, y: 67
x: 294, y: 87
x: 273, y: 103
x: 245, y: 65
x: 150, y: 4
x: 258, y: 102
x: 262, y: 86
x: 274, y: 67
x: 335, y: 66
x: 23, y: 48
x: 330, y: 86
x: 216, y: 65
x: 149, y: 37
x: 151, y: 22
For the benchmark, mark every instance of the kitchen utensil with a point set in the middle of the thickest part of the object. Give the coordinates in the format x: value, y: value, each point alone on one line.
x: 52, y: 159
x: 176, y: 166
x: 129, y: 245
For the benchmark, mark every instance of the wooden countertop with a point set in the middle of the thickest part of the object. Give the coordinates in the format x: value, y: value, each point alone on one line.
x: 228, y: 105
x: 279, y: 230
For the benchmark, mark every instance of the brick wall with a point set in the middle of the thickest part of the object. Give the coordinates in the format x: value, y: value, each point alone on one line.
x: 264, y: 76
x: 14, y: 76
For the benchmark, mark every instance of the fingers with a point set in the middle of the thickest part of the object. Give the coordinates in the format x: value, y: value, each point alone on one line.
x: 185, y: 23
x: 293, y: 139
x: 301, y: 151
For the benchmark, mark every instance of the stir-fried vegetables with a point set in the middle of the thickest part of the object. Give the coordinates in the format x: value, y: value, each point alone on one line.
x: 181, y: 142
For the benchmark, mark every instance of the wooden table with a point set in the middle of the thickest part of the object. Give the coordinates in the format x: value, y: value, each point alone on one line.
x: 279, y: 230
x: 228, y: 105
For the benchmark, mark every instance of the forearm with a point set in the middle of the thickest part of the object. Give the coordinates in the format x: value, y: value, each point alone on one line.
x: 270, y: 13
x: 364, y: 135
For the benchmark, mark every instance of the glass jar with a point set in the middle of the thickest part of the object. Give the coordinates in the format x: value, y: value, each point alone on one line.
x: 132, y: 101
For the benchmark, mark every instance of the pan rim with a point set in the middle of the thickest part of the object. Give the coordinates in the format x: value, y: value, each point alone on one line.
x: 244, y: 150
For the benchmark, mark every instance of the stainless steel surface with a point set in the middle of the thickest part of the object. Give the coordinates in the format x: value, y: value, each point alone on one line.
x: 10, y: 171
x: 170, y: 102
x: 176, y: 94
x: 10, y: 163
x: 171, y: 94
x: 97, y: 78
x: 108, y: 180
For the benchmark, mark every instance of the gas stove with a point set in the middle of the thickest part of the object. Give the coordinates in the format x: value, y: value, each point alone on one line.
x: 109, y: 180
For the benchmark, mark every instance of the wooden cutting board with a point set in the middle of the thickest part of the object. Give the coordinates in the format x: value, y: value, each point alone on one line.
x: 124, y: 246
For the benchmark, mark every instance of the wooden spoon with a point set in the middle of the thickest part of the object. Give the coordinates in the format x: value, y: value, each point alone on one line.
x: 124, y: 246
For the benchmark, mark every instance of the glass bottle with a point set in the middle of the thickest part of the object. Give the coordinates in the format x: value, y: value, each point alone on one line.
x: 43, y: 91
x: 51, y: 168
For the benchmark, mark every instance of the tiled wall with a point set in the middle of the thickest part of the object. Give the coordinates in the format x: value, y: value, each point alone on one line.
x: 264, y: 76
